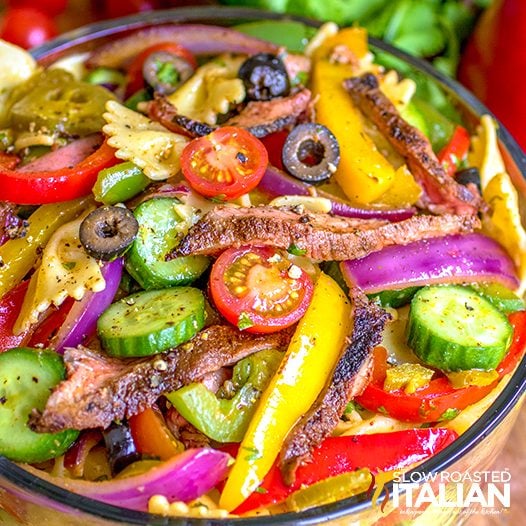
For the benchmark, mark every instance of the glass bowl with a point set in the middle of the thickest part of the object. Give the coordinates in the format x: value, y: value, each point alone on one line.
x: 28, y: 500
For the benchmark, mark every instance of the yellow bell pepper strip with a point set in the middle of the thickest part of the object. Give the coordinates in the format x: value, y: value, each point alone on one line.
x: 18, y: 256
x: 503, y: 222
x: 363, y: 173
x: 304, y: 371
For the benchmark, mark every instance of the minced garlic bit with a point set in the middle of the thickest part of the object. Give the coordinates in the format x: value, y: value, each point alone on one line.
x: 204, y: 507
x: 294, y: 272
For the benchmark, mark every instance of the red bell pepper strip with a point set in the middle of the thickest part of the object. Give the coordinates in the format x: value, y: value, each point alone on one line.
x: 10, y: 305
x: 455, y: 150
x: 49, y: 327
x: 52, y: 186
x: 337, y: 455
x: 439, y: 400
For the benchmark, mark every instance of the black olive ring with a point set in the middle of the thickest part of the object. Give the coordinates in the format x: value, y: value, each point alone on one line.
x: 107, y: 232
x: 311, y: 152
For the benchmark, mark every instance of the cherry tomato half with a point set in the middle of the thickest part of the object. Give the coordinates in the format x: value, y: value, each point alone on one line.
x: 224, y: 164
x: 27, y: 27
x: 259, y: 290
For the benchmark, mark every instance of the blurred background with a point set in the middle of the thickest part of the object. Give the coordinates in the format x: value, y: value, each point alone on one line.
x: 480, y: 42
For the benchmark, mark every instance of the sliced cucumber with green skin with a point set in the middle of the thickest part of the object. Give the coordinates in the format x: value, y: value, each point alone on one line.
x: 26, y: 379
x: 503, y: 298
x: 161, y: 226
x: 151, y: 322
x: 454, y: 329
x: 395, y: 298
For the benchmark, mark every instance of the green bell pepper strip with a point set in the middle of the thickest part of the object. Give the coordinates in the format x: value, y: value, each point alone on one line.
x: 18, y: 256
x: 226, y: 420
x: 119, y: 183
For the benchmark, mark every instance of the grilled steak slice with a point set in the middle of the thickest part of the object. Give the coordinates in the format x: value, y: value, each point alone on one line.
x: 100, y: 389
x: 350, y: 377
x: 259, y: 117
x: 322, y: 236
x: 442, y: 193
x: 164, y: 112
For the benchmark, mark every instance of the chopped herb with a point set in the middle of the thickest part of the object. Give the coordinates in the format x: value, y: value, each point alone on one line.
x: 296, y: 251
x: 260, y: 490
x: 254, y: 453
x: 244, y: 321
x: 69, y: 265
x: 383, y: 410
x: 220, y: 199
x: 301, y: 78
x: 352, y: 406
x: 449, y: 414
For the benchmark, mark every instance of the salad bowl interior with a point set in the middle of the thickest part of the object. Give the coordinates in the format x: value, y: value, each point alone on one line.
x: 27, y: 499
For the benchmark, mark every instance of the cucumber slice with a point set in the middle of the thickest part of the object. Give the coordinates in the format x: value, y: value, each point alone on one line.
x: 453, y: 328
x: 162, y: 223
x: 26, y: 379
x: 151, y: 322
x: 503, y: 298
x: 395, y: 298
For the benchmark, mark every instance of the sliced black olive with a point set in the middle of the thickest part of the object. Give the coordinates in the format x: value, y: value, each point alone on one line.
x: 469, y: 175
x: 120, y: 446
x: 265, y: 77
x: 164, y: 71
x: 311, y: 152
x: 107, y: 232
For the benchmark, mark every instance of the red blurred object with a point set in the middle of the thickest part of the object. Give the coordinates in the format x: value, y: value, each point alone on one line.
x: 494, y: 62
x: 50, y: 7
x: 27, y: 27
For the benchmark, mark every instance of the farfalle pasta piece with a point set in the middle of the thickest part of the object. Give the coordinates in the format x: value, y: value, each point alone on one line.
x: 399, y: 92
x: 142, y: 141
x: 503, y: 222
x: 66, y: 270
x: 17, y: 67
x: 484, y: 153
x: 211, y: 91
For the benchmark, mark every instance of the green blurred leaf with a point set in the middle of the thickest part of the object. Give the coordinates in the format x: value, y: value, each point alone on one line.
x: 422, y: 43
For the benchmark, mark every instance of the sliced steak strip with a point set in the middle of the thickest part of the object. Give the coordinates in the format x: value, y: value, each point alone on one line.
x: 350, y: 377
x: 259, y: 117
x: 100, y: 389
x: 322, y: 236
x: 442, y: 193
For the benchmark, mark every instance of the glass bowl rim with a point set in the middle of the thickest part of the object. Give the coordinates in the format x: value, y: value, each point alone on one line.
x: 498, y: 410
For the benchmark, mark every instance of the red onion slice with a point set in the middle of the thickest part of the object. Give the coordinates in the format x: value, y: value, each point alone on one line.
x: 65, y: 157
x: 276, y: 182
x: 197, y: 38
x: 185, y: 477
x: 82, y: 318
x: 450, y: 259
